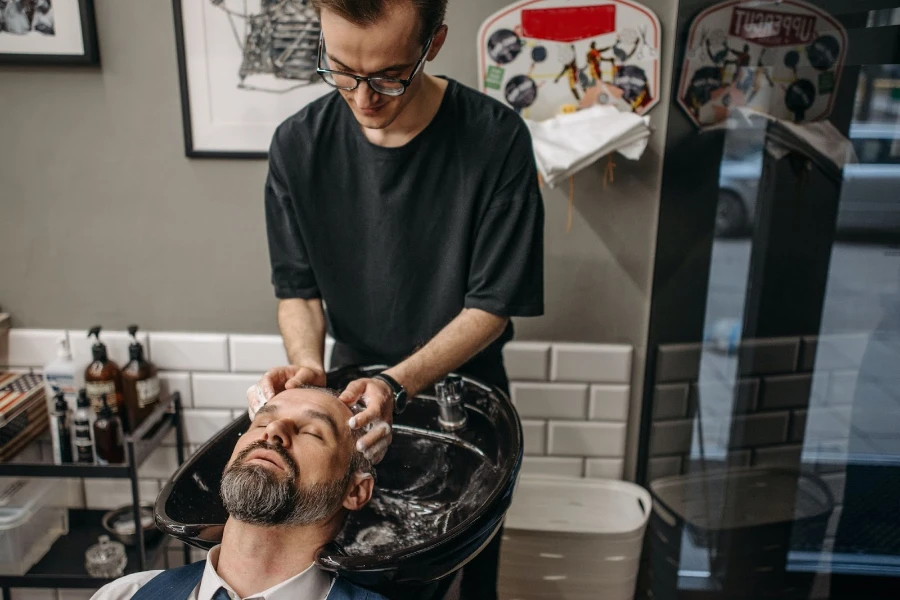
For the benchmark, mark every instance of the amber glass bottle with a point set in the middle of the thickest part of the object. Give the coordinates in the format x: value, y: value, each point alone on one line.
x: 103, y: 379
x: 140, y: 385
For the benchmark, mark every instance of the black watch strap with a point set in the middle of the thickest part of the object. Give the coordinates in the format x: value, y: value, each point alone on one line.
x: 400, y: 396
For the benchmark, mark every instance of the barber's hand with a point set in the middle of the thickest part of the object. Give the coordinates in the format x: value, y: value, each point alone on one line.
x: 376, y: 419
x: 277, y: 380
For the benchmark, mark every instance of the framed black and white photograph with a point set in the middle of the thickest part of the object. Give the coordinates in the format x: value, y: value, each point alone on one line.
x: 245, y: 66
x: 48, y: 32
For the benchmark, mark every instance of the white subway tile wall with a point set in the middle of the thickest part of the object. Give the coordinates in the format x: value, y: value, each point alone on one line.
x: 117, y: 343
x: 256, y: 353
x: 222, y: 390
x: 572, y: 398
x: 189, y: 351
x: 604, y: 468
x: 591, y: 363
x: 174, y: 381
x: 609, y: 402
x: 586, y: 439
x: 29, y: 347
x: 108, y: 494
x: 552, y: 466
x: 550, y: 400
x: 535, y: 433
x: 527, y: 361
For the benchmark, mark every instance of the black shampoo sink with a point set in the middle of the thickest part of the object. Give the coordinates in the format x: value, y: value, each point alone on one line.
x: 439, y: 497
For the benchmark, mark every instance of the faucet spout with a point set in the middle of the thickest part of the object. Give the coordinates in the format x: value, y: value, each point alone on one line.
x: 450, y: 403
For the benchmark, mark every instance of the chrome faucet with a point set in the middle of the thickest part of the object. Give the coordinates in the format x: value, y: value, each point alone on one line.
x: 450, y: 403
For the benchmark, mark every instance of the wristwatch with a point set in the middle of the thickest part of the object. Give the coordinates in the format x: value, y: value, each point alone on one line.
x: 400, y: 396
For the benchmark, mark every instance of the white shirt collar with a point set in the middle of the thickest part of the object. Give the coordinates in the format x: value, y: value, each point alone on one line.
x: 313, y: 583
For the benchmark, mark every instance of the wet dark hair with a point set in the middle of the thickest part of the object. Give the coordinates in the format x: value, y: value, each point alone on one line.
x: 369, y: 12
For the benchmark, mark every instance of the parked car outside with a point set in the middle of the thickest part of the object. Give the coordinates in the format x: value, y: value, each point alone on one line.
x: 870, y: 193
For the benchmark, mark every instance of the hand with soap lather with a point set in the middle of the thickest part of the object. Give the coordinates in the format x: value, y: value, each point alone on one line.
x: 377, y: 418
x: 278, y: 379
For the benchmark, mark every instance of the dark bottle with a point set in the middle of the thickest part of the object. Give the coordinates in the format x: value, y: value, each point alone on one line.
x: 103, y: 379
x: 83, y: 424
x: 60, y: 431
x: 140, y: 385
x: 108, y: 436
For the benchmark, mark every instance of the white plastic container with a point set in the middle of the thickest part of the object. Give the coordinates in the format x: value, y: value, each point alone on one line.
x: 573, y: 539
x: 61, y: 372
x: 29, y: 522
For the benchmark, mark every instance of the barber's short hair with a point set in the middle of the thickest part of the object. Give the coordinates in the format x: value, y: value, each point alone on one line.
x: 358, y: 460
x: 368, y: 12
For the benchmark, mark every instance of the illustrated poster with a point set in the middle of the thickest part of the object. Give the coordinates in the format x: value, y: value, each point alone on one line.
x: 781, y: 59
x: 543, y: 57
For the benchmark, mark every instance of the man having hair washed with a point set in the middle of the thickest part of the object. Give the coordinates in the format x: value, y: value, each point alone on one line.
x: 403, y: 214
x: 291, y: 481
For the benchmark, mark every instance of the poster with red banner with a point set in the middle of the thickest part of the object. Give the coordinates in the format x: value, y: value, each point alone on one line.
x: 782, y: 59
x: 543, y: 57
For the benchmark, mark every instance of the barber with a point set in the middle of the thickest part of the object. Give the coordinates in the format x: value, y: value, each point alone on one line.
x: 404, y: 216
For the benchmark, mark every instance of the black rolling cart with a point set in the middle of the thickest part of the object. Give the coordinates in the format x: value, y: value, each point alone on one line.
x: 63, y: 565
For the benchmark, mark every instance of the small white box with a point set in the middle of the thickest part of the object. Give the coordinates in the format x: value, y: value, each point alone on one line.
x: 30, y: 523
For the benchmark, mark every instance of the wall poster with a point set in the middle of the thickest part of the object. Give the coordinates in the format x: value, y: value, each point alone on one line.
x: 245, y: 66
x: 782, y: 59
x: 542, y: 57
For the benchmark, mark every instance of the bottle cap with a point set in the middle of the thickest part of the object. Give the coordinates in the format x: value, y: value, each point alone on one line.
x: 135, y: 349
x: 99, y: 348
x: 61, y: 404
x: 83, y: 400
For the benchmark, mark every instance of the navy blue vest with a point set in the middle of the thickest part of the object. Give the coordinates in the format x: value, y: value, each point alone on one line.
x: 177, y: 584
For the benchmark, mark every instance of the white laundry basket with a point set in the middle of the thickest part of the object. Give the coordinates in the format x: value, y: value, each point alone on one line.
x: 573, y: 539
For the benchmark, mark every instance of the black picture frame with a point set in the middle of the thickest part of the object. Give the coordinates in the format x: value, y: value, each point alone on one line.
x: 89, y: 57
x: 189, y: 150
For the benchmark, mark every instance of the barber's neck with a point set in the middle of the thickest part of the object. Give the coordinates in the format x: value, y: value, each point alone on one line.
x: 252, y: 558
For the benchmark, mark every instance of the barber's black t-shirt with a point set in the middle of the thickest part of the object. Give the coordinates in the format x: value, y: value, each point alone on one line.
x: 397, y: 241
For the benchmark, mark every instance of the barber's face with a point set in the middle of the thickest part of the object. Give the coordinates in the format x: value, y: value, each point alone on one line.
x: 389, y: 48
x: 292, y: 465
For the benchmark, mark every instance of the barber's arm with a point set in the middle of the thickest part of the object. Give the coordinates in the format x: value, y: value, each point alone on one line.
x: 465, y: 336
x: 505, y: 279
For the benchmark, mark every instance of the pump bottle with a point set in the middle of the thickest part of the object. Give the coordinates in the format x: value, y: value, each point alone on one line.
x: 103, y: 379
x: 60, y: 429
x: 61, y: 373
x: 108, y: 438
x: 140, y: 385
x: 83, y: 424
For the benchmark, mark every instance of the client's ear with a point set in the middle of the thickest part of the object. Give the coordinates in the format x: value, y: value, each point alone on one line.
x: 359, y: 491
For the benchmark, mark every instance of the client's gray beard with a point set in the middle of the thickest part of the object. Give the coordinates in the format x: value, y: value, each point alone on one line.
x: 254, y: 494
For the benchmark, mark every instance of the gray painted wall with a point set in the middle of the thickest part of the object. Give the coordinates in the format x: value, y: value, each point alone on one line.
x: 104, y: 220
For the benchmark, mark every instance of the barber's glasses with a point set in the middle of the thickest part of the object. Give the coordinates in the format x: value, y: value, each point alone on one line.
x: 389, y: 86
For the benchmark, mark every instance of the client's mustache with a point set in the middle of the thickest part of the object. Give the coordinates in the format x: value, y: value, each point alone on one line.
x: 293, y: 471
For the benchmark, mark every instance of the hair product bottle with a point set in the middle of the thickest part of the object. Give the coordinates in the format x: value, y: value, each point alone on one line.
x: 83, y: 424
x: 140, y: 385
x: 60, y: 373
x: 60, y: 431
x: 108, y: 439
x: 103, y: 379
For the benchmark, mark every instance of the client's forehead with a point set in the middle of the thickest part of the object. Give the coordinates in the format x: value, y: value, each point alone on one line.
x: 298, y: 401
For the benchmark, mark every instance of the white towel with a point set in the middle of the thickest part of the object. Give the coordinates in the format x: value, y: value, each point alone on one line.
x: 570, y: 142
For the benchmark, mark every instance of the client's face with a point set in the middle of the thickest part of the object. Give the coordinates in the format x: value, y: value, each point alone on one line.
x: 292, y: 467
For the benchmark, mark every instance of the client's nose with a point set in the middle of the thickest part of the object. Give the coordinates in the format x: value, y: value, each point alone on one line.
x: 279, y: 432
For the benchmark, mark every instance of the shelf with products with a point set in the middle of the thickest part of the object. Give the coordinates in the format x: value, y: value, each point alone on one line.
x: 63, y: 565
x: 139, y: 445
